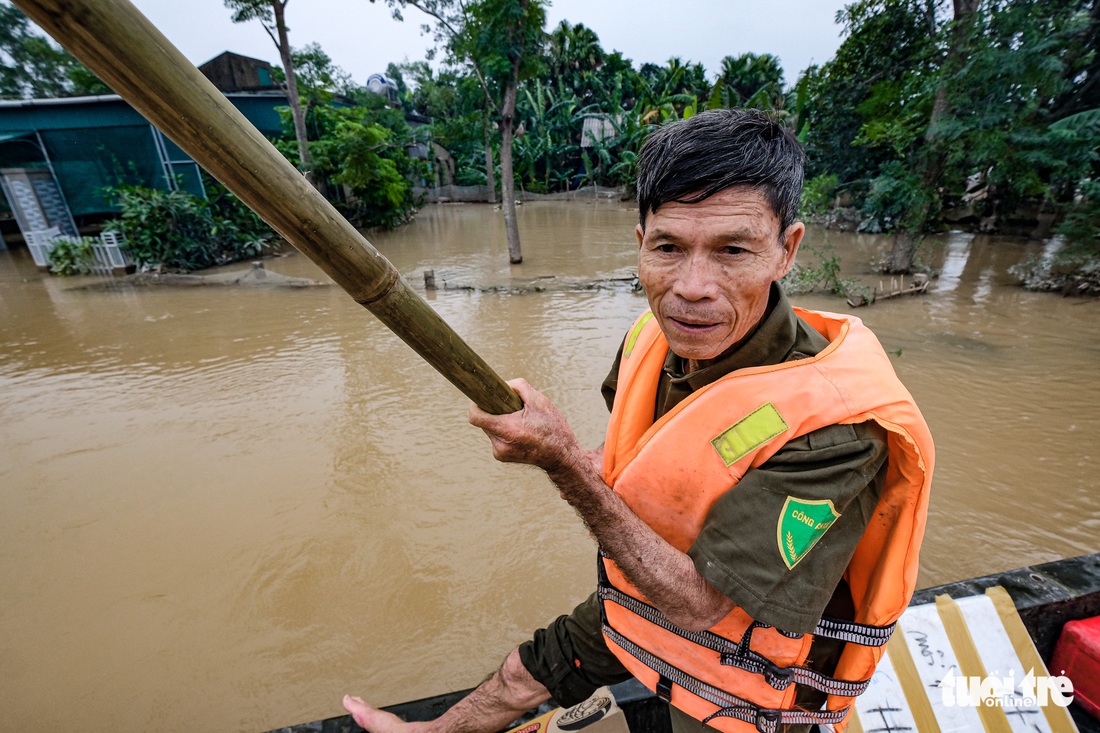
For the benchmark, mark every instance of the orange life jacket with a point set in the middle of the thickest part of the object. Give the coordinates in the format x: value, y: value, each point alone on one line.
x: 740, y: 674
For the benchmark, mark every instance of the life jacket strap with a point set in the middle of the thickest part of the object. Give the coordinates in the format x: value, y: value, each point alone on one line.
x: 766, y: 720
x: 743, y: 657
x: 852, y: 632
x: 736, y: 654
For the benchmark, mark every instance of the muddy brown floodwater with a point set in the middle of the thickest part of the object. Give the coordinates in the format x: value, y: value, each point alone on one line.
x: 223, y: 508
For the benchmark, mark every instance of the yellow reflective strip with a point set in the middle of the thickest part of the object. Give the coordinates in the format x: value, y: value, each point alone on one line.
x: 636, y: 332
x: 920, y: 707
x: 749, y: 433
x: 1057, y: 716
x: 970, y: 662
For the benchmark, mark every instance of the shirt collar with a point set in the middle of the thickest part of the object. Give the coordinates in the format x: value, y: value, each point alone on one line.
x: 769, y: 343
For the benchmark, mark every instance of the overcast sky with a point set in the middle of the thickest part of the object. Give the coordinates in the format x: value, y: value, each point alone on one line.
x: 362, y: 37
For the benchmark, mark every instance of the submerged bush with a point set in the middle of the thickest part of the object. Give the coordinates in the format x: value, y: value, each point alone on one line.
x: 1075, y: 270
x: 71, y: 256
x: 178, y: 231
x: 825, y: 277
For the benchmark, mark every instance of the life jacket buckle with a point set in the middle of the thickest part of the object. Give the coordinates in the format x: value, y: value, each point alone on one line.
x: 767, y: 721
x: 778, y: 677
x: 664, y: 689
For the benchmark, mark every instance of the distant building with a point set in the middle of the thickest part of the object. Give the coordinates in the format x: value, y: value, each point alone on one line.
x: 596, y: 129
x: 383, y: 87
x: 57, y: 155
x: 231, y: 72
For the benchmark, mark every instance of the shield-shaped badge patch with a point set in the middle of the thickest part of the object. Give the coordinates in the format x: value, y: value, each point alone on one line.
x: 801, y: 524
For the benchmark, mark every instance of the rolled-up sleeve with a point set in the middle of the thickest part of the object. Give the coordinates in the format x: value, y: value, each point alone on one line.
x: 570, y: 657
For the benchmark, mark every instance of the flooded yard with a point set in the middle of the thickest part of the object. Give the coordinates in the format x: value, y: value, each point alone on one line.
x: 223, y: 508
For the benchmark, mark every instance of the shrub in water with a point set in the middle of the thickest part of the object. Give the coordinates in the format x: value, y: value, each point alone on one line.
x: 71, y: 256
x: 178, y: 231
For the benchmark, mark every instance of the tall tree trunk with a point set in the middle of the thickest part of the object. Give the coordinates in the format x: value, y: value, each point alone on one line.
x: 903, y: 251
x: 490, y: 174
x: 936, y: 156
x: 507, y: 179
x: 296, y: 111
x: 933, y: 159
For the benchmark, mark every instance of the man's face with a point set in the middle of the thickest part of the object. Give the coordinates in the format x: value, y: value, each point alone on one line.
x: 707, y: 268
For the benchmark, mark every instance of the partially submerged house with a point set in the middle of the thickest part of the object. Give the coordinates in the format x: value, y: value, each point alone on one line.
x: 58, y: 155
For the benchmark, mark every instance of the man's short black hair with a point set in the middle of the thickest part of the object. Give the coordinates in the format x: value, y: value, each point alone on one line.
x: 693, y: 159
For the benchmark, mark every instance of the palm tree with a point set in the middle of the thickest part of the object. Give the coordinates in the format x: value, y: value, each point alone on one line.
x: 749, y: 80
x: 573, y: 57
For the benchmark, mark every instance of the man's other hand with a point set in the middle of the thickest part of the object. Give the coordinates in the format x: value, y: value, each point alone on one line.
x: 375, y: 720
x: 499, y: 700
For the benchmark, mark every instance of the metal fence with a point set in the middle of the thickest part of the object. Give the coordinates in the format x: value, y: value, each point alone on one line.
x: 108, y: 256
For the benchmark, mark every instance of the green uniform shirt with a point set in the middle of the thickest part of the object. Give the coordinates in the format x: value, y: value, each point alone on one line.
x: 736, y: 551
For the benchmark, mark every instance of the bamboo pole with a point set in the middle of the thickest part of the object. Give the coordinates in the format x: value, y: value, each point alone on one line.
x: 117, y: 42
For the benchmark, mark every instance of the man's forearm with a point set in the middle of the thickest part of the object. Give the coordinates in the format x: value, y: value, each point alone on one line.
x: 539, y: 435
x: 507, y: 694
x: 665, y: 575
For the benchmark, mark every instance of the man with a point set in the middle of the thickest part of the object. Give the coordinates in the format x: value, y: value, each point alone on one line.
x: 760, y: 498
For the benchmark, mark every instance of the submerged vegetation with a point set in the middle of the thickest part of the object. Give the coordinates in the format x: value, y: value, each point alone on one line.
x: 71, y: 256
x: 824, y: 277
x: 175, y: 230
x: 982, y: 115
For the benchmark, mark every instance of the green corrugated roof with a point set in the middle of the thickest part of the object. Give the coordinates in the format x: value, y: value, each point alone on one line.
x: 101, y: 141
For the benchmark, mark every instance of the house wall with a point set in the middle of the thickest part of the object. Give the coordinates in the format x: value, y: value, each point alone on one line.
x: 96, y: 142
x: 231, y: 72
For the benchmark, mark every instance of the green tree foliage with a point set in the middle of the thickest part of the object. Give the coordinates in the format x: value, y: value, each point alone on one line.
x: 364, y: 151
x: 886, y: 41
x: 979, y: 112
x: 817, y: 194
x: 577, y: 82
x: 178, y: 231
x: 573, y: 60
x: 33, y: 66
x: 547, y: 154
x: 499, y: 41
x: 670, y: 92
x: 1004, y: 103
x: 749, y: 80
x: 319, y: 79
